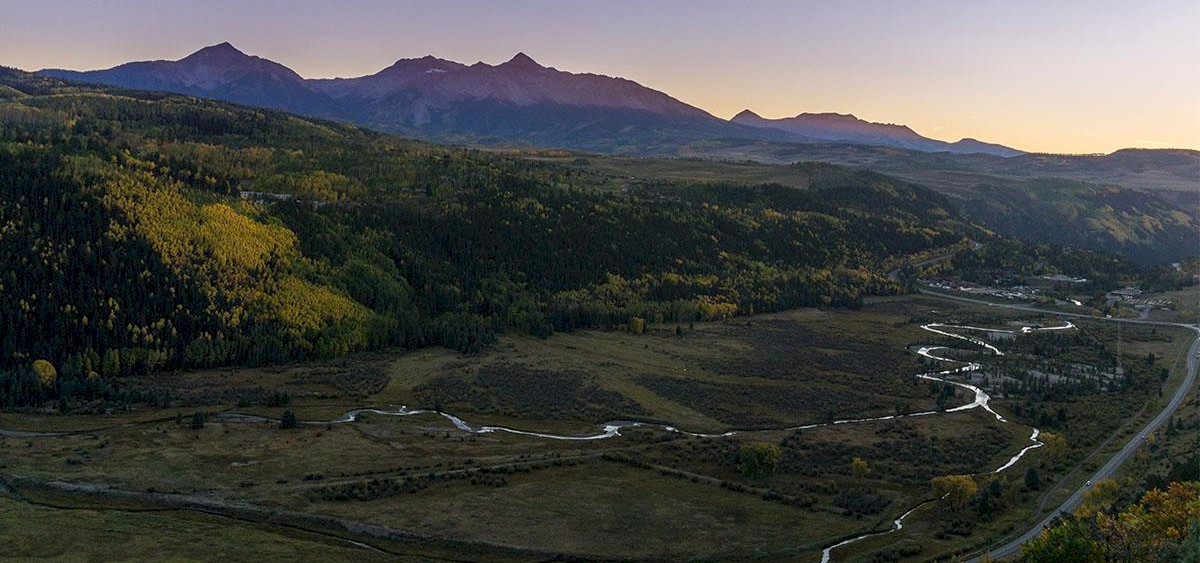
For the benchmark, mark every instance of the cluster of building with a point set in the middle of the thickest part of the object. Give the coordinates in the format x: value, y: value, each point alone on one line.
x: 1019, y: 292
x: 1128, y: 297
x: 1132, y: 297
x: 265, y: 197
x: 1060, y: 278
x: 272, y: 197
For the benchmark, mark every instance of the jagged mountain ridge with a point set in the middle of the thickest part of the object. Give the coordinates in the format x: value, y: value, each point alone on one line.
x: 520, y: 81
x: 518, y: 102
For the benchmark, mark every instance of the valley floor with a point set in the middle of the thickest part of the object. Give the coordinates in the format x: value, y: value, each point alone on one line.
x: 418, y: 486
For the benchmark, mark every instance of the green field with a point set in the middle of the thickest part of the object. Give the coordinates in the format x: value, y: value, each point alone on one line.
x: 38, y: 533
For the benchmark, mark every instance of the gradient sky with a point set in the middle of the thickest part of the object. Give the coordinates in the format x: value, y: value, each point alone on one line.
x: 1053, y: 76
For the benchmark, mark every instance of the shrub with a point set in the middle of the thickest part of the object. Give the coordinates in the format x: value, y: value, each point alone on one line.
x: 759, y: 459
x: 45, y: 372
x: 288, y: 420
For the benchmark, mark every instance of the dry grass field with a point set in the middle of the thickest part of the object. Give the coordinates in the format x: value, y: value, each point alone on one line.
x: 667, y: 496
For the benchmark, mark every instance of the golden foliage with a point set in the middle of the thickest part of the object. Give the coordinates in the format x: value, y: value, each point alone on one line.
x: 957, y: 489
x: 45, y: 372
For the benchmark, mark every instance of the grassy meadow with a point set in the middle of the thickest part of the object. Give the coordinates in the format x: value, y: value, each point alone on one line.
x: 668, y: 496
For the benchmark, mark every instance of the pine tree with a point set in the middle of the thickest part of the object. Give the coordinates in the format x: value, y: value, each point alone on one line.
x: 288, y: 420
x: 1033, y: 481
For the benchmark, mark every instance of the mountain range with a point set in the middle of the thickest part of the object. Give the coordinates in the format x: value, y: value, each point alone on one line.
x: 845, y: 128
x: 519, y: 102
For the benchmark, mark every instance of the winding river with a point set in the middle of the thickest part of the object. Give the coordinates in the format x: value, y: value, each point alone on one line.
x: 981, y: 400
x: 612, y: 429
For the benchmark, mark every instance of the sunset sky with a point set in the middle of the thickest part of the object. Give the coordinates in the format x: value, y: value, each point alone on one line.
x: 1078, y: 77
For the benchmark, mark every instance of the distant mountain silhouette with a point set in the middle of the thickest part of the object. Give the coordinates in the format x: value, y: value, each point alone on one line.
x: 845, y: 128
x: 219, y: 72
x: 519, y: 102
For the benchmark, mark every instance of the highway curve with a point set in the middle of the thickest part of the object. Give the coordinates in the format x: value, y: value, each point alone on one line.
x: 1110, y: 467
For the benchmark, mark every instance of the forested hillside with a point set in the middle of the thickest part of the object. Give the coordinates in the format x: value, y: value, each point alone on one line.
x: 141, y: 232
x: 1137, y: 203
x: 1140, y: 225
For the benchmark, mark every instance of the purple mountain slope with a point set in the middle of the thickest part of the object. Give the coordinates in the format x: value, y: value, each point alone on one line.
x: 518, y: 102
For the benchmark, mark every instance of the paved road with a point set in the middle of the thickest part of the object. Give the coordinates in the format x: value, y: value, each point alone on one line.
x: 1131, y: 447
x: 1033, y: 309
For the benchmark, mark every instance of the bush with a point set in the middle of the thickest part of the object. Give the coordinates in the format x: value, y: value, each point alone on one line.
x: 759, y: 460
x: 859, y: 501
x: 288, y: 420
x: 45, y: 372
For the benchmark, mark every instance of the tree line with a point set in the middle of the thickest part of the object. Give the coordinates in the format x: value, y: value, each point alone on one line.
x: 125, y: 248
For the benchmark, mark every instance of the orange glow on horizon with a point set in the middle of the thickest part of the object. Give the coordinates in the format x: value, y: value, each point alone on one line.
x: 1038, y: 76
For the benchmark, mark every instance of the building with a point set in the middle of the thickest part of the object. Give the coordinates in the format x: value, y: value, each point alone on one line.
x: 1126, y: 294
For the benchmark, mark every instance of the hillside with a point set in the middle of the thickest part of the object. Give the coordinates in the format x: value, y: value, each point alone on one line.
x: 1176, y: 170
x: 1137, y: 224
x: 146, y: 231
x: 1149, y: 226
